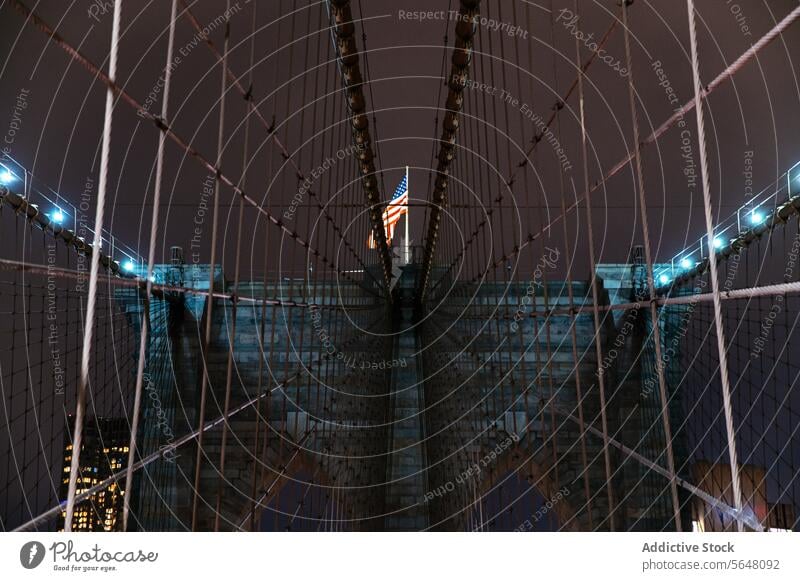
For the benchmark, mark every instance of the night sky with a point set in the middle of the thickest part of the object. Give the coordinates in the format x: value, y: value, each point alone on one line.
x: 57, y: 135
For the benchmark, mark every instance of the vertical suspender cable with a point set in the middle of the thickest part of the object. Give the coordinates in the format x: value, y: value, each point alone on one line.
x: 571, y: 311
x: 343, y: 36
x: 212, y: 268
x: 257, y: 466
x: 235, y: 295
x: 162, y: 139
x: 712, y: 260
x: 649, y: 260
x: 461, y: 58
x: 595, y: 293
x: 95, y: 264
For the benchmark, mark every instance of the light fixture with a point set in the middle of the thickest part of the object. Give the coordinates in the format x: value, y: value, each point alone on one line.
x: 718, y: 243
x: 57, y: 216
x: 793, y: 179
x: 756, y: 217
x: 663, y: 279
x: 128, y: 266
x: 6, y: 177
x: 686, y: 264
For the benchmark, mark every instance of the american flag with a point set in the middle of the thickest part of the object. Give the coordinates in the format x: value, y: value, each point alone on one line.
x: 393, y: 212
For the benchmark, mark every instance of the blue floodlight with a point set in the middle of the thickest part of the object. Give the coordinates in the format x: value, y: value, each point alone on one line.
x: 756, y: 218
x: 6, y: 177
x: 718, y: 242
x: 663, y: 279
x: 793, y: 178
x: 128, y: 265
x: 686, y: 264
x: 57, y: 216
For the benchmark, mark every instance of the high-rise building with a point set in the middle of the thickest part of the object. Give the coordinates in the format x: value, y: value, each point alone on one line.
x: 104, y: 451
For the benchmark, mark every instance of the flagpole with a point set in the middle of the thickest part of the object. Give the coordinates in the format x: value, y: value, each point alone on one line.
x: 408, y: 217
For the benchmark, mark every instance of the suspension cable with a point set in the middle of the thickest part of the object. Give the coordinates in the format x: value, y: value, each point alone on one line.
x: 95, y: 266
